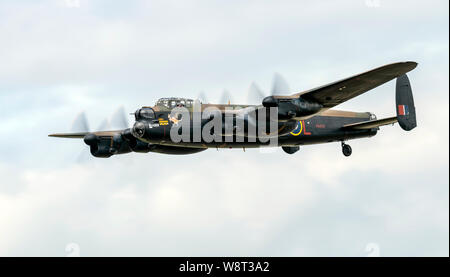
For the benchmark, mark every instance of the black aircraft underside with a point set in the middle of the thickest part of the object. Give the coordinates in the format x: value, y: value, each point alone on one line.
x: 317, y: 129
x: 303, y: 118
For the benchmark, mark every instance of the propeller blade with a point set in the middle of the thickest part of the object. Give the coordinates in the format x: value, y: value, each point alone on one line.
x: 225, y: 98
x: 119, y: 119
x: 197, y: 105
x: 104, y: 125
x: 279, y: 85
x: 255, y: 94
x: 80, y: 123
x: 251, y: 113
x: 202, y: 97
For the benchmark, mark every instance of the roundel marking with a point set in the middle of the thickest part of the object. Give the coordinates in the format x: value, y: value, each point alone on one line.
x: 297, y: 129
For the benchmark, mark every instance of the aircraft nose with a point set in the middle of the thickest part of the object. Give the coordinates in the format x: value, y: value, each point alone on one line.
x: 139, y: 129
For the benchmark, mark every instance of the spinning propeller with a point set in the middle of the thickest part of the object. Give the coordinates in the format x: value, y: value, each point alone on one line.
x: 117, y: 121
x: 255, y: 93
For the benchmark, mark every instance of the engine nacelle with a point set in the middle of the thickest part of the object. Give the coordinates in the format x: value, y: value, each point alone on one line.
x: 135, y: 144
x: 141, y: 147
x: 105, y: 147
x: 100, y: 147
x: 291, y: 107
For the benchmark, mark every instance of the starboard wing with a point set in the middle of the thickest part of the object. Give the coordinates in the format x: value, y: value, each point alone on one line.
x: 338, y: 92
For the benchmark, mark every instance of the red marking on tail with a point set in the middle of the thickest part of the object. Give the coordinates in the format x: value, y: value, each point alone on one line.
x: 401, y: 109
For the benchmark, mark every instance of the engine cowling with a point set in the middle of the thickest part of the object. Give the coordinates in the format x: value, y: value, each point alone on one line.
x: 134, y: 144
x: 99, y: 147
x: 291, y: 107
x: 105, y: 147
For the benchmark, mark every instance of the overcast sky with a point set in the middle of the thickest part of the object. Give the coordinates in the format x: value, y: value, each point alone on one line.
x: 58, y: 58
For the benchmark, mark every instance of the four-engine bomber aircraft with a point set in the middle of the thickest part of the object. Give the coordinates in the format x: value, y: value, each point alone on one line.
x: 301, y: 119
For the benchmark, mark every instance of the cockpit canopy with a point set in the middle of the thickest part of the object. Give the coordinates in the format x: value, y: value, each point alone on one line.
x: 175, y: 102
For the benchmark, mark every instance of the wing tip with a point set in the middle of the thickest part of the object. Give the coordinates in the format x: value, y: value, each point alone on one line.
x: 408, y: 65
x: 400, y: 68
x: 55, y: 135
x: 413, y: 64
x: 70, y: 135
